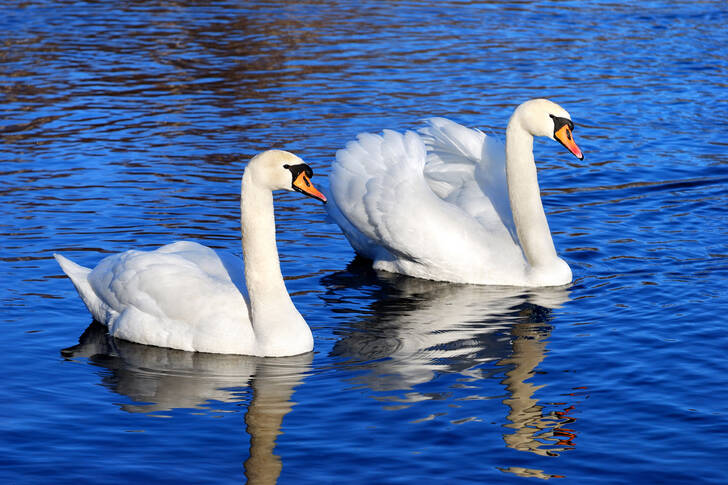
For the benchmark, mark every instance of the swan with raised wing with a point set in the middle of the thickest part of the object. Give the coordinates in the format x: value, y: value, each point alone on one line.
x: 450, y: 203
x: 189, y: 297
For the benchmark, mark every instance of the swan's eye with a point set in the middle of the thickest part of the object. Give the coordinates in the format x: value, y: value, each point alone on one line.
x: 286, y: 166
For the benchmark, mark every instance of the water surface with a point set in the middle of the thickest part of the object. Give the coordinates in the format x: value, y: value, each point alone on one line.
x: 129, y: 125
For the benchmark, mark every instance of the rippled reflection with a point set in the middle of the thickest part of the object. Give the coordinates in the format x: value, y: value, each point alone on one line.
x: 158, y: 379
x: 535, y: 429
x: 417, y: 330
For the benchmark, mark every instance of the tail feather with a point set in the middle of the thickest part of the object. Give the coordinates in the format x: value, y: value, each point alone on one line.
x: 79, y: 277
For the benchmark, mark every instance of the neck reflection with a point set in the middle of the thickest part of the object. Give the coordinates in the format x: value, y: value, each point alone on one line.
x: 535, y: 429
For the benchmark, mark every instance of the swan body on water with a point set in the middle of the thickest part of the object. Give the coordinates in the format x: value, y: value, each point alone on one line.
x: 450, y: 203
x: 189, y: 297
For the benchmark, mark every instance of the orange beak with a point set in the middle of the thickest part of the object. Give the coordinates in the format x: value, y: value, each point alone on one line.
x: 303, y: 184
x: 565, y: 137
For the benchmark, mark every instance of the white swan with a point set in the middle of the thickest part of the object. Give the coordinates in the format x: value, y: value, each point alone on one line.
x: 447, y: 205
x: 187, y: 296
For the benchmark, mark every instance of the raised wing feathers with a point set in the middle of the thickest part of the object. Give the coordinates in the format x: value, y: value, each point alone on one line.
x: 396, y: 216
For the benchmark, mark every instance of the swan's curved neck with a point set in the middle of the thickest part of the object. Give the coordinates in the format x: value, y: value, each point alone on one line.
x: 272, y: 311
x: 525, y: 197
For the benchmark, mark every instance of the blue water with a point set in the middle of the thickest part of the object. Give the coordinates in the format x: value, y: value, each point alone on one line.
x: 128, y: 124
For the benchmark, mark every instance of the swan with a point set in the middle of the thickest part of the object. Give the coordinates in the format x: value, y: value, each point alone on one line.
x: 187, y: 296
x: 446, y: 204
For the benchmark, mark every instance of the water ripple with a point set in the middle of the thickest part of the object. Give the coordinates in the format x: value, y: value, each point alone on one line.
x: 128, y: 125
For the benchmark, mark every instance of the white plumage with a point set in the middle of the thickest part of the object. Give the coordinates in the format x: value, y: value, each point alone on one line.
x: 189, y: 297
x: 440, y: 204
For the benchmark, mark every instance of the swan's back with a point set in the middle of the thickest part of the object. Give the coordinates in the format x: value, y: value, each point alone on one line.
x: 182, y: 295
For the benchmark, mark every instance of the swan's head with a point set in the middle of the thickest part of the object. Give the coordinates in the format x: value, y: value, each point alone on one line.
x: 542, y: 117
x: 281, y: 170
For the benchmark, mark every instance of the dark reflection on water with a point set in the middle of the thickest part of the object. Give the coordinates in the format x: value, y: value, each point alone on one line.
x: 158, y: 379
x: 415, y: 330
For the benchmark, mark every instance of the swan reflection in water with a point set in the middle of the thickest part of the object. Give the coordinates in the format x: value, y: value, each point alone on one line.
x: 160, y: 379
x: 412, y: 331
x: 417, y: 329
